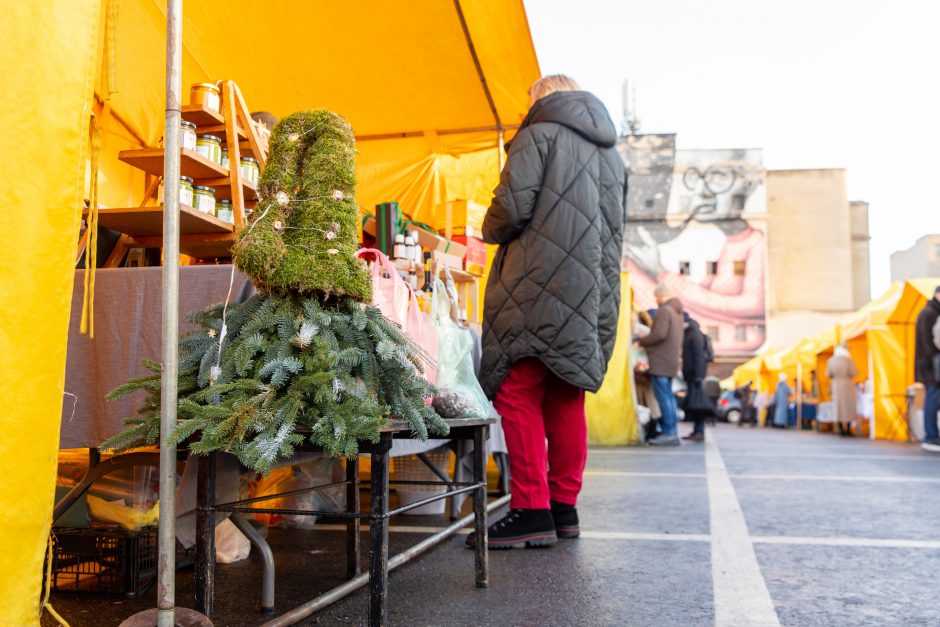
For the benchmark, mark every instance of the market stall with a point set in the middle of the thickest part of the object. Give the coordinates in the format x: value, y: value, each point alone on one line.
x: 430, y: 107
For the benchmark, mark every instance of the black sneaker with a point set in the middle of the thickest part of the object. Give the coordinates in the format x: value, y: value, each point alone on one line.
x: 566, y: 520
x: 932, y: 445
x: 529, y: 527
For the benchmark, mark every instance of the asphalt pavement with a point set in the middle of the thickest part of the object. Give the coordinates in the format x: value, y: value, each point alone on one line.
x: 753, y: 527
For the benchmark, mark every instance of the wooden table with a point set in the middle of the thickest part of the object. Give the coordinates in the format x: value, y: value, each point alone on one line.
x: 378, y: 518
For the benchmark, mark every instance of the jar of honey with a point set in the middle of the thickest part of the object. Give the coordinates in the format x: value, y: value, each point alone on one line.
x: 207, y: 95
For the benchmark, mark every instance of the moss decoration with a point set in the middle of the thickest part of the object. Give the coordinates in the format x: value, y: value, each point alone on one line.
x: 304, y: 238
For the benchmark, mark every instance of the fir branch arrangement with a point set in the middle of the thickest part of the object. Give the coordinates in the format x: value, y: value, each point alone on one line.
x: 306, y: 357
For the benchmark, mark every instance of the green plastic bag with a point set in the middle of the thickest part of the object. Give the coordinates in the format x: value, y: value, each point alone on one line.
x: 459, y: 394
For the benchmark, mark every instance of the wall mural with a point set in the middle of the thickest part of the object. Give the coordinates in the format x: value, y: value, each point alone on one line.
x: 696, y: 222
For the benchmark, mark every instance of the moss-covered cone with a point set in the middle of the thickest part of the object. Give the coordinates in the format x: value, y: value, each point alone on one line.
x: 304, y: 238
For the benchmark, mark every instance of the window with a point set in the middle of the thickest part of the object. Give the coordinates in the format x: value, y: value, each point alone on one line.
x: 740, y: 333
x: 712, y: 268
x: 649, y: 204
x: 936, y: 251
x: 740, y: 268
x: 737, y: 202
x: 685, y: 268
x: 713, y: 333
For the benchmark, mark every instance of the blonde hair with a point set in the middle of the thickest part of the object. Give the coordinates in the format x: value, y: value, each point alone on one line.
x: 550, y: 84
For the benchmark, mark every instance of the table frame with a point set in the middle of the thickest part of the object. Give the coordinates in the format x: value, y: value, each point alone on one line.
x: 378, y: 518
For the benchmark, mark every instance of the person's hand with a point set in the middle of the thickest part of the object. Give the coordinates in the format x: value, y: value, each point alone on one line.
x: 646, y: 254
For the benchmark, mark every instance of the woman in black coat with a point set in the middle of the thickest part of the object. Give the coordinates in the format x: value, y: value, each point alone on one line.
x: 697, y: 405
x: 552, y: 301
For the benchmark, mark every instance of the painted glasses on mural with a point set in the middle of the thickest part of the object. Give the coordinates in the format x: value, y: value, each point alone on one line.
x: 697, y: 223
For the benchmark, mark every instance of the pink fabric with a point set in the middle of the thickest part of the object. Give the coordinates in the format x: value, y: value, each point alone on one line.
x: 535, y: 405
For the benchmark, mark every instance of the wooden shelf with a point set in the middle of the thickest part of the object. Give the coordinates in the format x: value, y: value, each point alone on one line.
x: 219, y: 131
x: 148, y: 221
x: 204, y: 246
x: 200, y: 115
x: 223, y: 188
x: 192, y: 164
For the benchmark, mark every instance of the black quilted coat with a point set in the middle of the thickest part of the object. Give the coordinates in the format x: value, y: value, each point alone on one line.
x: 557, y: 215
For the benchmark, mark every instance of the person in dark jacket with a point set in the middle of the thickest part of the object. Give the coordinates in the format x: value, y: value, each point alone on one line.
x: 925, y: 352
x: 696, y: 404
x: 664, y: 348
x: 552, y: 301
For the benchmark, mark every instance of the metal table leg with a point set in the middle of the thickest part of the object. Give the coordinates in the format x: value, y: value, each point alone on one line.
x: 378, y: 532
x: 479, y: 506
x: 267, y: 561
x: 353, y: 550
x: 205, y: 534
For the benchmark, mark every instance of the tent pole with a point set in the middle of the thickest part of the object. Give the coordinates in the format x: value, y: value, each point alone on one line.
x: 799, y: 396
x: 166, y: 586
x: 500, y: 146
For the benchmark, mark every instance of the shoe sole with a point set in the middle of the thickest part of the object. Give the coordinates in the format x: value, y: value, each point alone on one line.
x: 933, y: 448
x: 534, y: 541
x: 568, y: 532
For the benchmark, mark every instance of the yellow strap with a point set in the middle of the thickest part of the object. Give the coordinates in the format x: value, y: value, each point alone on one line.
x: 91, y: 248
x: 45, y: 602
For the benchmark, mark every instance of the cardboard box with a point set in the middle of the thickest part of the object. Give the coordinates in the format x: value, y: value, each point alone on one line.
x: 460, y: 214
x: 429, y: 241
x: 475, y: 259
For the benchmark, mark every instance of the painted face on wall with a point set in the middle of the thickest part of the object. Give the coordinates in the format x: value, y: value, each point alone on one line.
x: 719, y: 191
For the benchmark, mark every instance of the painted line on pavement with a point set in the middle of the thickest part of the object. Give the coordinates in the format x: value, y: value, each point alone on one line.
x: 628, y: 473
x: 655, y: 537
x: 740, y: 592
x: 886, y: 543
x: 849, y: 478
x: 837, y: 456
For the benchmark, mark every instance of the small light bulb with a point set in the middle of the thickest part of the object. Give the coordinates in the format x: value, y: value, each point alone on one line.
x: 282, y: 198
x: 338, y: 194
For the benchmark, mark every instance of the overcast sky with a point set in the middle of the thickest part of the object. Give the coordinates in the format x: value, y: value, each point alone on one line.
x: 853, y: 84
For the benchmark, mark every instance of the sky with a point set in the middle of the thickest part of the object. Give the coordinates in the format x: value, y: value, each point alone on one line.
x: 816, y: 83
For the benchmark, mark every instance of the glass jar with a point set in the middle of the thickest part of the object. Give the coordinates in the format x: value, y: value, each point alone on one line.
x: 207, y: 95
x: 224, y: 161
x: 250, y: 169
x: 204, y: 199
x: 224, y: 211
x: 186, y: 192
x: 187, y: 135
x: 210, y: 147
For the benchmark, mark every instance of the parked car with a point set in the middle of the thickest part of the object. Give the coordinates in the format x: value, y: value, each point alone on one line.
x: 729, y: 407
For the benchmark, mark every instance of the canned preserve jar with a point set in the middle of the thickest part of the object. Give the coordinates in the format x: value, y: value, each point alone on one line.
x: 187, y: 135
x: 186, y: 192
x: 250, y: 169
x: 224, y: 211
x: 224, y: 162
x: 210, y: 147
x: 204, y: 199
x: 206, y: 94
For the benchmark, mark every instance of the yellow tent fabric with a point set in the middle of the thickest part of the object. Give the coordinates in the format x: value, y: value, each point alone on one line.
x: 913, y: 298
x: 800, y: 361
x: 403, y: 74
x: 49, y: 60
x: 748, y: 372
x: 611, y: 413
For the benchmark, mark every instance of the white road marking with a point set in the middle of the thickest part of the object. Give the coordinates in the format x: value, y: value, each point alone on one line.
x: 696, y: 451
x: 883, y: 543
x: 627, y: 473
x: 653, y: 537
x: 740, y: 592
x: 850, y: 478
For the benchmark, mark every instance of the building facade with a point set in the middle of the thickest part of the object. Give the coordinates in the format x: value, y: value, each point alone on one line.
x: 759, y: 258
x: 919, y: 261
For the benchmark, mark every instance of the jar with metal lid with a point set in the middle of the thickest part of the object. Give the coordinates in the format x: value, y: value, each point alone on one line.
x: 224, y: 161
x: 250, y: 169
x: 210, y: 147
x: 224, y: 211
x: 186, y: 191
x: 207, y: 95
x: 187, y: 135
x: 204, y: 199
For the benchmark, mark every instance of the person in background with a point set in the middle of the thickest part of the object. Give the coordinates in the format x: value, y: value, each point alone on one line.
x: 664, y: 347
x: 782, y: 403
x: 925, y: 371
x: 841, y: 369
x: 696, y: 403
x: 552, y: 301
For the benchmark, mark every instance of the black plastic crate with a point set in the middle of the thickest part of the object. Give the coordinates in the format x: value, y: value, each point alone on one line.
x: 104, y: 561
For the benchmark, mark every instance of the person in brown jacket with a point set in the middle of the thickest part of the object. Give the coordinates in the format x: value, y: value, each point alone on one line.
x: 664, y: 347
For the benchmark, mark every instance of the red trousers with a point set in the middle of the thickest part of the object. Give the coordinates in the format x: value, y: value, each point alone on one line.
x: 537, y: 406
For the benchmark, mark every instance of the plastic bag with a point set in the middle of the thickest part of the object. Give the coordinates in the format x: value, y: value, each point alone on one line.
x: 320, y: 470
x: 397, y: 302
x: 458, y: 391
x: 130, y: 518
x: 231, y: 545
x: 390, y: 294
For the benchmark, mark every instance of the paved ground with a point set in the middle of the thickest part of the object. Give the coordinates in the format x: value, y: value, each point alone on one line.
x: 754, y: 527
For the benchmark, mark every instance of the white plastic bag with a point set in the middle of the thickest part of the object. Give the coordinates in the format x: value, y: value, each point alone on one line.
x: 231, y: 545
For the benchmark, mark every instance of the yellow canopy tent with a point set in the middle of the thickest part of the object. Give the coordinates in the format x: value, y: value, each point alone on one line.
x: 800, y: 362
x: 748, y: 372
x: 824, y: 344
x: 430, y: 88
x: 901, y: 321
x: 879, y: 356
x: 611, y: 413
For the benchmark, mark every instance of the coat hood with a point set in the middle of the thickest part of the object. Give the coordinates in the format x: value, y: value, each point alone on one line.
x: 675, y: 304
x: 580, y: 111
